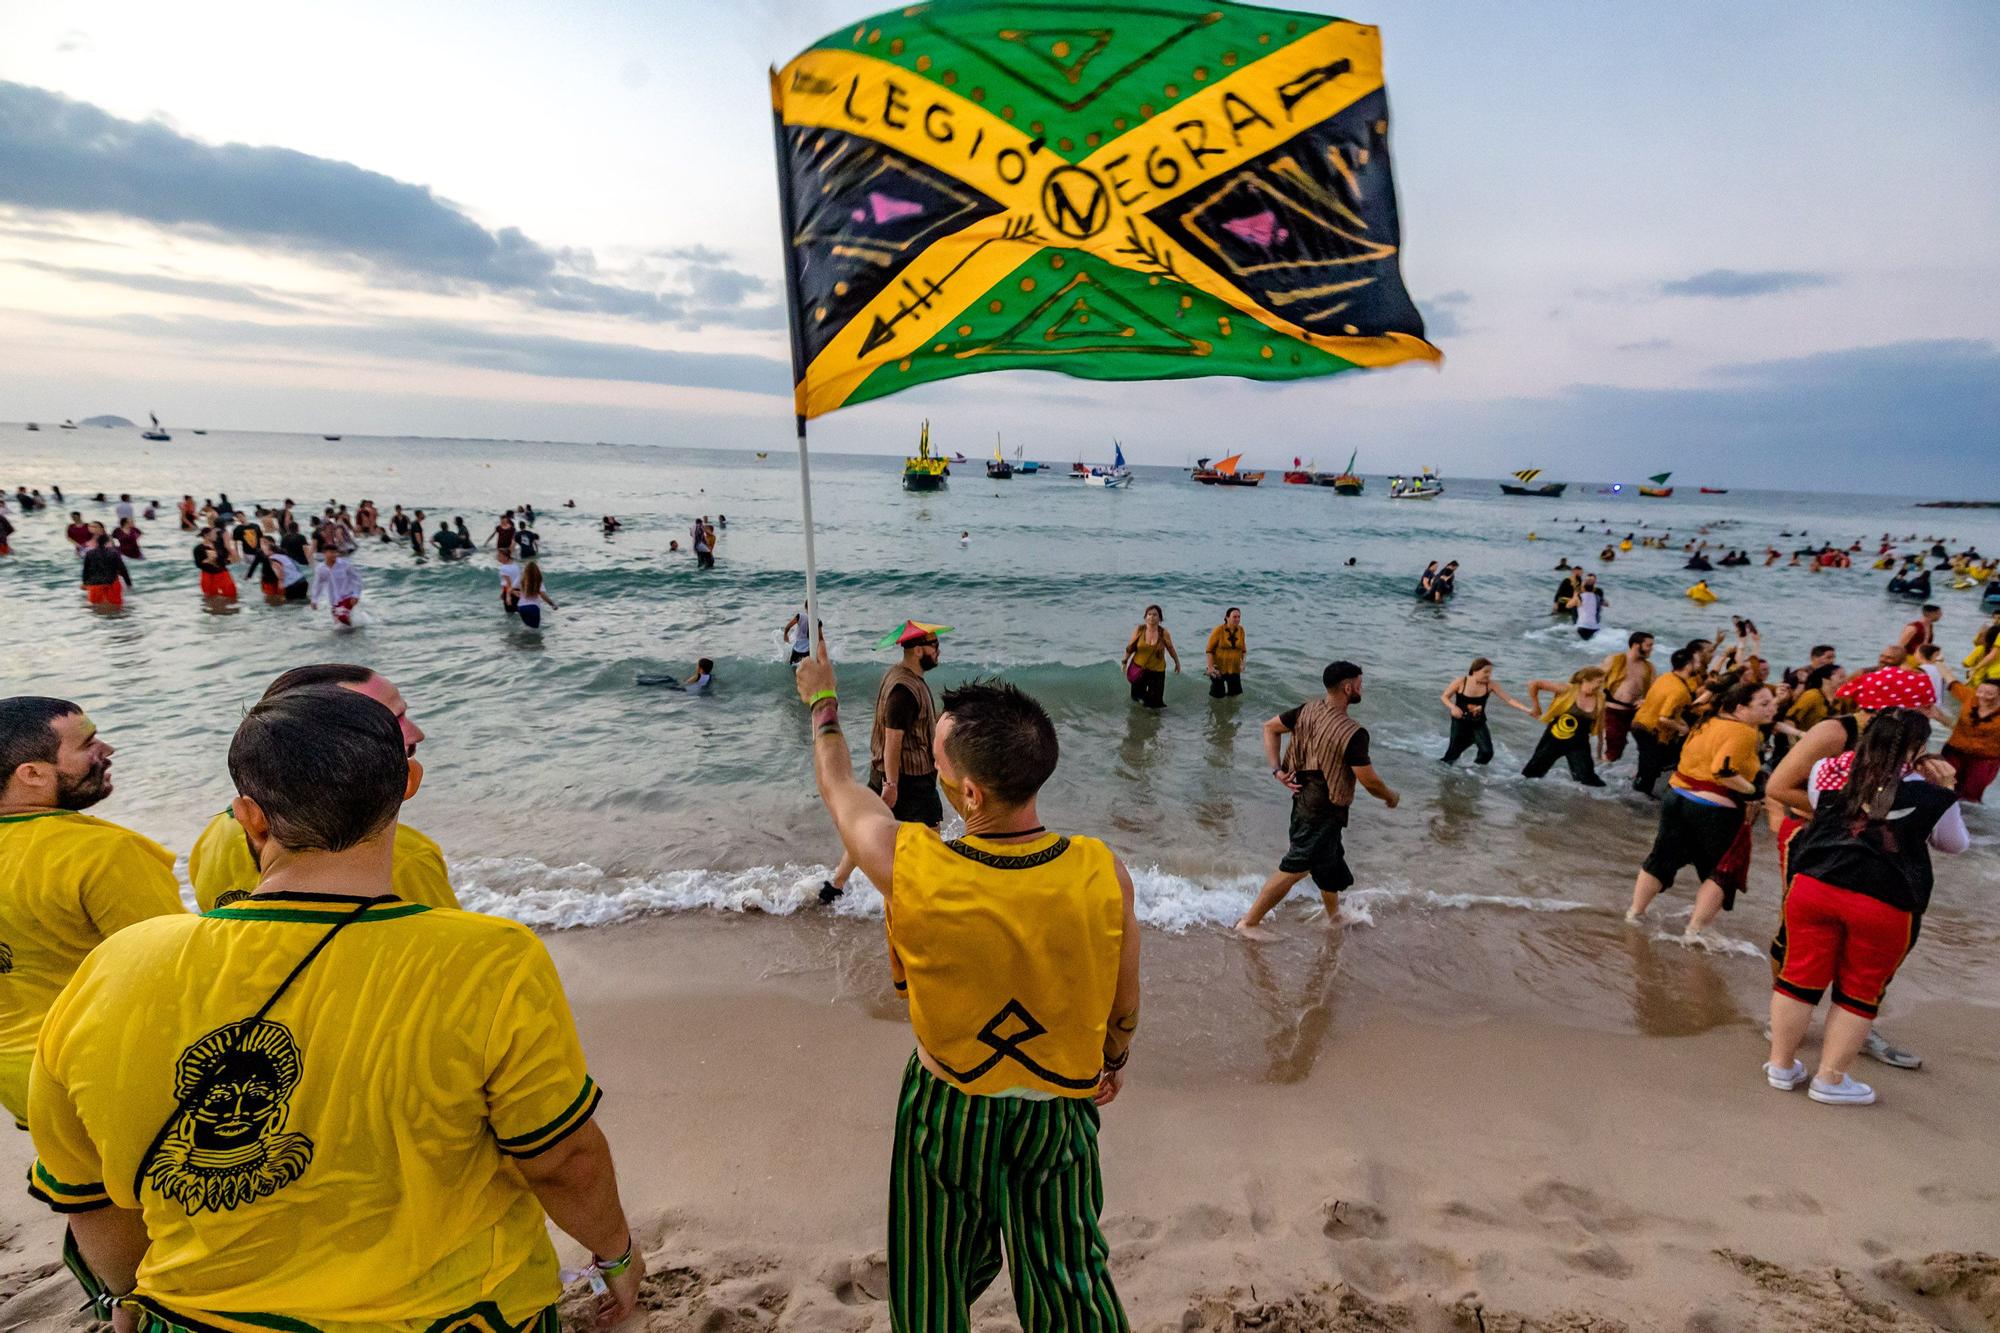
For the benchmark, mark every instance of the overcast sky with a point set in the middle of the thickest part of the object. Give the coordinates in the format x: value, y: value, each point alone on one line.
x: 1756, y: 244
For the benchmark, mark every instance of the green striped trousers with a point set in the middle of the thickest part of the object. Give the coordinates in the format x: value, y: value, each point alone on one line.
x: 971, y: 1174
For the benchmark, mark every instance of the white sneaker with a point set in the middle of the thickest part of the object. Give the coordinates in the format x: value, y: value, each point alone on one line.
x: 1875, y: 1048
x: 1784, y: 1080
x: 1847, y: 1092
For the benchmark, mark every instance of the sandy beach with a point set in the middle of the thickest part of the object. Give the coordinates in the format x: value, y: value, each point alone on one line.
x: 1350, y: 1168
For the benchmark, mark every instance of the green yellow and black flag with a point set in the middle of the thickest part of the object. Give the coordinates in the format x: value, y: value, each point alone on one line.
x: 1157, y: 189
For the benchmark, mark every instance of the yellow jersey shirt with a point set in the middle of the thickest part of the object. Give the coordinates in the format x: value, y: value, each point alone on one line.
x: 1666, y: 700
x: 1008, y: 952
x: 222, y: 870
x: 1721, y: 748
x: 67, y: 881
x: 343, y: 1162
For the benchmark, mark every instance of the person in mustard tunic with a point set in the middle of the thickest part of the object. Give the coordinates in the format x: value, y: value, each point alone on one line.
x: 1711, y: 798
x: 1227, y: 648
x: 1018, y: 951
x: 1659, y: 726
x: 222, y: 868
x: 324, y: 1107
x: 67, y: 880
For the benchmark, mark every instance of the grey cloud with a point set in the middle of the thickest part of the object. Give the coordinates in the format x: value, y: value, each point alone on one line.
x: 543, y: 355
x: 1891, y: 418
x: 1736, y: 284
x: 63, y: 156
x: 1441, y: 314
x: 261, y: 298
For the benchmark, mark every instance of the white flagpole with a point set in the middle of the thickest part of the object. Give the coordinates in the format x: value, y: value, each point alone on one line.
x: 787, y: 214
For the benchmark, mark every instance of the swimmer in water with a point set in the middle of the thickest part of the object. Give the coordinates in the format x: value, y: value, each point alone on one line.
x: 533, y: 596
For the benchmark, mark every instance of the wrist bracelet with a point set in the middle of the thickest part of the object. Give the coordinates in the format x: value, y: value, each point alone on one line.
x: 613, y: 1267
x: 1112, y: 1066
x: 821, y: 698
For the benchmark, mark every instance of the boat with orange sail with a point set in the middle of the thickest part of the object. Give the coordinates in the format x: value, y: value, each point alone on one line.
x: 1225, y: 473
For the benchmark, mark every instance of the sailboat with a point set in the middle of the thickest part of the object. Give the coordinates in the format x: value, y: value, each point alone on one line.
x: 1302, y: 474
x: 1548, y: 490
x: 999, y: 469
x: 925, y: 472
x: 156, y: 433
x: 1659, y: 490
x: 67, y: 425
x: 1026, y: 466
x: 1426, y: 485
x: 763, y: 454
x: 1115, y: 477
x: 1349, y: 481
x: 1225, y: 473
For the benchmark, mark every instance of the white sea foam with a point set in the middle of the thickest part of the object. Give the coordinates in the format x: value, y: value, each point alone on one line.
x: 565, y: 897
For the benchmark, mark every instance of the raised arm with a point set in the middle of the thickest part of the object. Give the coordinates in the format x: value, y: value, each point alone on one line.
x: 867, y: 829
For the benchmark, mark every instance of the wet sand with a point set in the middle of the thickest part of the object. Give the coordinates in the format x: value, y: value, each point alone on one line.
x: 1314, y: 1159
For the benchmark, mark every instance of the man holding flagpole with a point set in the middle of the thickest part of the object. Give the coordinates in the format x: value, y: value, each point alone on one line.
x: 1019, y: 953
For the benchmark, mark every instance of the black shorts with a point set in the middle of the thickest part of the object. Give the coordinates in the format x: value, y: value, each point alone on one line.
x: 1317, y: 848
x: 917, y: 799
x: 1691, y: 833
x: 798, y: 657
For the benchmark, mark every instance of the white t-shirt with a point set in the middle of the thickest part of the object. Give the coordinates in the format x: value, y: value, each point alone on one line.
x: 1588, y: 603
x: 123, y: 509
x: 510, y: 575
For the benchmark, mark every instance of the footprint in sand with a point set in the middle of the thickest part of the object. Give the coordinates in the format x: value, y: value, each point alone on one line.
x: 1796, y: 1202
x: 1345, y: 1220
x: 1203, y: 1221
x: 859, y: 1281
x: 1560, y: 1201
x: 1948, y: 1192
x: 1600, y: 1259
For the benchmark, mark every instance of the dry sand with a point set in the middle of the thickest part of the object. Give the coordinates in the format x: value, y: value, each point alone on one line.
x: 1397, y: 1175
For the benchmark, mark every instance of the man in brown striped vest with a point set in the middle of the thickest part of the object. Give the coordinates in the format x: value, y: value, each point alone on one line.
x: 1328, y: 758
x: 901, y: 769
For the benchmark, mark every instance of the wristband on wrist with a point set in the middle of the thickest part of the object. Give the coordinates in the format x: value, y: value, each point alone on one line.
x: 613, y: 1267
x: 821, y: 698
x: 1113, y: 1065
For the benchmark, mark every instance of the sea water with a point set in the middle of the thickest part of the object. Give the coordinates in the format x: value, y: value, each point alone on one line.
x: 569, y: 796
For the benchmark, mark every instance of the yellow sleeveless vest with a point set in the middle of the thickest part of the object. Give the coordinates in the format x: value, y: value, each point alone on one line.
x: 1009, y: 951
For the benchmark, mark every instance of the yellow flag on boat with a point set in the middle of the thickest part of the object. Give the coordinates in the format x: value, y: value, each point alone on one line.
x: 1115, y: 190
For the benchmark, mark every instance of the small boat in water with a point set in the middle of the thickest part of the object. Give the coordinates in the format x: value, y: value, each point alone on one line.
x: 331, y: 439
x: 1715, y: 490
x: 763, y: 454
x: 1548, y: 490
x: 1426, y: 485
x: 1302, y: 474
x: 1116, y: 477
x: 1225, y: 473
x: 33, y: 426
x: 925, y: 472
x: 1659, y: 490
x: 201, y: 432
x: 1027, y: 467
x: 156, y: 433
x: 1347, y: 481
x: 999, y: 469
x: 67, y: 425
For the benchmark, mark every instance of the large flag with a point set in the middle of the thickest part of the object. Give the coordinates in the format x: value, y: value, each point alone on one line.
x: 1153, y: 189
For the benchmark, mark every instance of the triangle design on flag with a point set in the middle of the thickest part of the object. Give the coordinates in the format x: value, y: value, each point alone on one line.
x: 863, y: 212
x: 1093, y: 319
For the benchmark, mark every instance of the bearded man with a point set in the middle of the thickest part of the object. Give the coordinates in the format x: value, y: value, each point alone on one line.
x: 67, y: 880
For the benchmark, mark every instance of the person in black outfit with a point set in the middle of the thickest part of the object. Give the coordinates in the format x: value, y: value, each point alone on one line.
x: 103, y: 567
x: 1466, y: 699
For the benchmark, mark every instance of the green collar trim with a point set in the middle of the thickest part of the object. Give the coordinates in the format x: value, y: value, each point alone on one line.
x: 249, y: 910
x: 37, y: 814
